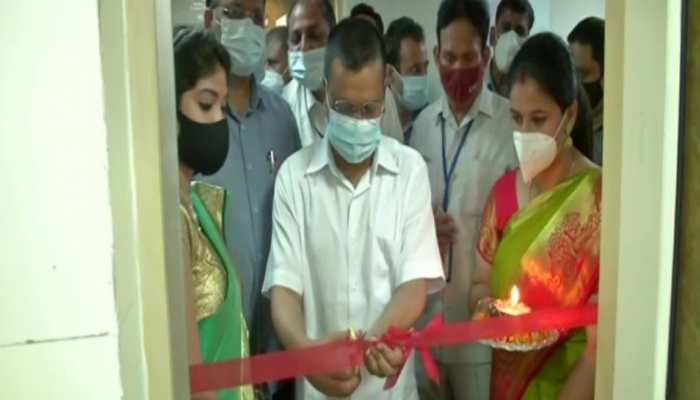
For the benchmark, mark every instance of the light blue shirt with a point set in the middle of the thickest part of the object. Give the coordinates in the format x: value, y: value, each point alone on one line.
x: 258, y: 144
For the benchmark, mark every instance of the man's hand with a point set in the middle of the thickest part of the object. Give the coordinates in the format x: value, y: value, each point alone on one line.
x: 382, y: 361
x: 338, y: 383
x: 446, y: 230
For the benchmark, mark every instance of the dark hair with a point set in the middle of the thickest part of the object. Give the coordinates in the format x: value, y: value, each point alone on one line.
x: 211, y: 3
x: 355, y: 44
x: 591, y: 31
x: 279, y: 35
x: 546, y: 59
x: 400, y: 29
x: 518, y: 7
x: 365, y: 9
x: 326, y: 9
x: 475, y: 11
x: 197, y: 54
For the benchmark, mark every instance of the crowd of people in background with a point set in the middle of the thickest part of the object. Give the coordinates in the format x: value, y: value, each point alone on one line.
x: 325, y: 194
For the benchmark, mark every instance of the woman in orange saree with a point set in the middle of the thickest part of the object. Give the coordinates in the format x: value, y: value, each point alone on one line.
x: 541, y: 226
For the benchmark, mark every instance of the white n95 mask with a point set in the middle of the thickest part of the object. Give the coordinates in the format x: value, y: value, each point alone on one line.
x: 536, y: 151
x: 507, y: 47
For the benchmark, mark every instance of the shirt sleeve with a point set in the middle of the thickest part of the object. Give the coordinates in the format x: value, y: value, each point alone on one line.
x: 420, y: 257
x: 284, y: 267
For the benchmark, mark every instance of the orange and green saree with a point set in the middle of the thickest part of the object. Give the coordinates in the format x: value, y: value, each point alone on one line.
x: 549, y: 248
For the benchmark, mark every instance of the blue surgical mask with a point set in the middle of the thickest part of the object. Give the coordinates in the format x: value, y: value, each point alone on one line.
x: 307, y: 67
x: 245, y: 43
x: 273, y: 81
x: 415, y: 92
x: 354, y: 139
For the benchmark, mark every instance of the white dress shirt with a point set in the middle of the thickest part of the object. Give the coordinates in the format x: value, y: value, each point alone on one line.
x: 312, y: 118
x: 347, y: 249
x: 487, y: 153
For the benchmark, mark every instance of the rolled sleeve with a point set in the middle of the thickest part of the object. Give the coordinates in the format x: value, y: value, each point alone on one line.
x: 284, y: 267
x: 420, y: 257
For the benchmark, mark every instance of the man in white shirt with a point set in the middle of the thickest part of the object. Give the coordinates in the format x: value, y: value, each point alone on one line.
x: 310, y: 22
x: 466, y: 140
x: 354, y: 243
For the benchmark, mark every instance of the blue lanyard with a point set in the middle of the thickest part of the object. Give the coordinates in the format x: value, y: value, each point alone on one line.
x: 447, y: 174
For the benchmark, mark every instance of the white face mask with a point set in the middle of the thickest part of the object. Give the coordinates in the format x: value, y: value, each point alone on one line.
x: 536, y: 151
x: 273, y: 81
x: 245, y: 43
x: 507, y: 47
x: 307, y: 67
x: 415, y: 92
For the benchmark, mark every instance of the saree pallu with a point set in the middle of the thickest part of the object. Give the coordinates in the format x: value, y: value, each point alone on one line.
x: 223, y: 333
x: 550, y: 250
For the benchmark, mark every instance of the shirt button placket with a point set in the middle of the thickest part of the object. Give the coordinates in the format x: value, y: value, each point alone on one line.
x: 353, y: 245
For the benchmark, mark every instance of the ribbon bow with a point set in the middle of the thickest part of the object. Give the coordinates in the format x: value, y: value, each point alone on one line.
x: 409, y: 340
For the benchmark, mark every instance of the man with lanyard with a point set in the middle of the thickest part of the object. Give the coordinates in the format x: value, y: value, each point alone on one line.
x: 408, y: 70
x: 310, y: 23
x: 262, y: 135
x: 514, y: 21
x: 466, y: 139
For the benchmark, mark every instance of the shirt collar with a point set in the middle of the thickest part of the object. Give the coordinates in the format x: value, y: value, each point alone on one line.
x: 322, y: 157
x: 482, y: 105
x: 256, y: 95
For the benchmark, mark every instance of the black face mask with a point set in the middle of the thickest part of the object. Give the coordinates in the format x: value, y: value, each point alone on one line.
x: 594, y: 90
x: 202, y: 147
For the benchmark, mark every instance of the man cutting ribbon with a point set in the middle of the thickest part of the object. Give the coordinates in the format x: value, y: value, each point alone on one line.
x: 354, y: 242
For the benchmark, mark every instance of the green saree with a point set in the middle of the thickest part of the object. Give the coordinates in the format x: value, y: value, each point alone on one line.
x: 549, y: 248
x: 222, y: 329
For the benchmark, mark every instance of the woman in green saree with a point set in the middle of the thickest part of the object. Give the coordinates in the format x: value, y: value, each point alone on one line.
x: 216, y: 327
x: 541, y: 225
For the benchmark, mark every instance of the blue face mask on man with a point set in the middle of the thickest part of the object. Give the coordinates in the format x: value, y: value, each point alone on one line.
x: 354, y: 139
x: 245, y: 43
x: 415, y: 92
x: 307, y: 67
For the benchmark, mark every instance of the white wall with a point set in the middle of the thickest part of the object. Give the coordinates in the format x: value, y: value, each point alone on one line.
x: 58, y: 327
x: 566, y: 14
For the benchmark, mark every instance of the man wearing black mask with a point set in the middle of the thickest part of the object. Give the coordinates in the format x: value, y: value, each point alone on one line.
x: 587, y: 41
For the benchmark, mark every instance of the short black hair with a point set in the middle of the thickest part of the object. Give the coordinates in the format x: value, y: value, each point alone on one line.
x: 197, y: 54
x: 591, y: 31
x: 475, y: 11
x: 518, y: 7
x: 356, y: 44
x: 545, y: 58
x: 326, y: 9
x: 280, y: 35
x: 366, y: 9
x: 400, y: 29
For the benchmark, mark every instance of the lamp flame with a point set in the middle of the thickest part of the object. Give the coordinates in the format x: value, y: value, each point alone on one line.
x: 514, y: 295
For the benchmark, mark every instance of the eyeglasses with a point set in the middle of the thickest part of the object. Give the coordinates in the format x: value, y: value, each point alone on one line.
x: 373, y: 109
x: 237, y: 12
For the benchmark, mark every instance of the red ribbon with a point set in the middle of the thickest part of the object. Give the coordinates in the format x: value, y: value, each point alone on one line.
x: 410, y: 340
x: 348, y: 353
